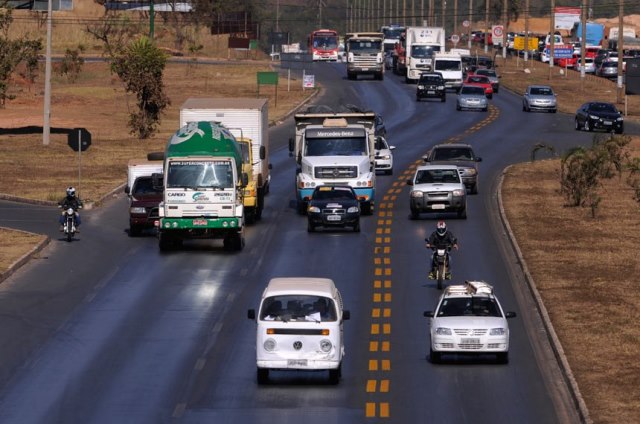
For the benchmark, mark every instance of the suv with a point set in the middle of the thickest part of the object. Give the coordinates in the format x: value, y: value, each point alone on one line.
x: 144, y: 199
x: 462, y: 156
x: 431, y: 84
x: 469, y: 319
x: 437, y: 188
x: 299, y: 327
x: 333, y: 206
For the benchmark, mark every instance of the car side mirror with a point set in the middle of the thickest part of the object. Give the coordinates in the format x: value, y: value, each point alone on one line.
x: 291, y: 146
x: 510, y: 315
x: 127, y: 189
x: 478, y: 159
x: 428, y: 314
x: 410, y: 182
x: 263, y: 152
x: 251, y: 314
x: 392, y: 147
x: 346, y: 314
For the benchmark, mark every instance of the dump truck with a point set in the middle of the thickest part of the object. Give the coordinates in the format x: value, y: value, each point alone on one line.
x: 365, y: 54
x: 247, y: 119
x: 334, y: 148
x: 203, y: 186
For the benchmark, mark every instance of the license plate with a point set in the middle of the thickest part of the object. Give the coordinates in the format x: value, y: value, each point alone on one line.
x: 297, y: 362
x: 365, y: 69
x: 334, y: 218
x: 431, y: 92
x: 608, y: 122
x: 438, y: 206
x: 199, y: 222
x: 470, y: 341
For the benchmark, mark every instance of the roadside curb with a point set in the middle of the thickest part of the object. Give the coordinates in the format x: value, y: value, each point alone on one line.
x: 26, y: 257
x: 554, y: 341
x: 296, y: 108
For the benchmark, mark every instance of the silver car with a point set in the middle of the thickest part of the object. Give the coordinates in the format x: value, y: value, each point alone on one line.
x: 589, y: 65
x: 472, y: 97
x: 539, y: 97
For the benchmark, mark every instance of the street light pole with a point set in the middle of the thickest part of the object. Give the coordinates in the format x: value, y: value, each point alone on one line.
x: 46, y: 127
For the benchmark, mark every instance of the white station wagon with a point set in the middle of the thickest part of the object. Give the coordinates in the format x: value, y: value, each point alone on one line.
x: 299, y: 327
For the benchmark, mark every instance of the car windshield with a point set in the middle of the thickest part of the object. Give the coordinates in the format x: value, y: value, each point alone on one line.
x: 602, y: 107
x: 294, y: 307
x: 430, y: 79
x: 144, y: 185
x: 486, y: 72
x: 478, y: 79
x: 333, y: 194
x: 456, y: 153
x: 472, y: 90
x: 541, y: 91
x: 429, y: 176
x: 469, y: 306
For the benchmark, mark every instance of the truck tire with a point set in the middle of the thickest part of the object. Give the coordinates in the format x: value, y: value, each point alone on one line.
x: 301, y: 207
x: 250, y: 215
x: 135, y: 230
x: 164, y: 242
x: 234, y: 242
x: 258, y: 213
x: 155, y: 156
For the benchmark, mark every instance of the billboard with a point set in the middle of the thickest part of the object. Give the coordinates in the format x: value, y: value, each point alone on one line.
x: 565, y: 17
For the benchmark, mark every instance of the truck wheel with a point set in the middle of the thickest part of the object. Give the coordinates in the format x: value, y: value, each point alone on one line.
x: 260, y: 207
x: 462, y: 214
x: 301, y: 207
x: 164, y: 242
x: 134, y: 230
x: 234, y: 242
x: 250, y: 216
x: 263, y: 375
x: 381, y: 76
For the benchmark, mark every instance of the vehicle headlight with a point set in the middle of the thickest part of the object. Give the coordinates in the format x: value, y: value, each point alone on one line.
x: 353, y: 209
x: 417, y: 193
x: 313, y: 209
x: 620, y: 119
x: 458, y: 193
x: 442, y: 331
x: 441, y: 87
x: 325, y: 345
x: 470, y: 171
x: 269, y: 345
x: 137, y: 210
x: 421, y: 87
x: 594, y: 117
x: 386, y: 157
x: 497, y: 332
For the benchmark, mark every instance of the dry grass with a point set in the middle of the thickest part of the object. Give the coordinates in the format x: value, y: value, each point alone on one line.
x: 14, y: 245
x: 586, y: 270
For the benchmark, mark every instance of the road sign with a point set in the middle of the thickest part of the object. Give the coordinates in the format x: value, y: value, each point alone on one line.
x: 79, y: 139
x: 465, y: 24
x: 518, y: 43
x: 455, y: 38
x: 561, y: 52
x: 497, y: 34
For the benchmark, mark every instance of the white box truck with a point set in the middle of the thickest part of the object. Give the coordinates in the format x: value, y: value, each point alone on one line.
x: 422, y: 44
x: 247, y: 119
x: 450, y: 66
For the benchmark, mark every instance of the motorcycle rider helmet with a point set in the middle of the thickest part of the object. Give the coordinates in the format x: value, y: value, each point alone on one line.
x: 441, y: 228
x: 71, y: 192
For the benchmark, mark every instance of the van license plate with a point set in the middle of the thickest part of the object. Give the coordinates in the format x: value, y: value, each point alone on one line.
x: 199, y: 222
x: 438, y: 206
x: 297, y: 362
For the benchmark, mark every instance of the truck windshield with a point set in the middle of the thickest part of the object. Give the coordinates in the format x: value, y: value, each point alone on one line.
x: 448, y: 65
x: 362, y: 46
x: 421, y: 52
x: 199, y: 175
x: 393, y: 33
x: 351, y: 146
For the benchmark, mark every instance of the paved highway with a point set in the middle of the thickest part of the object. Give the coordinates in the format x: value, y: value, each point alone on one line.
x: 107, y: 329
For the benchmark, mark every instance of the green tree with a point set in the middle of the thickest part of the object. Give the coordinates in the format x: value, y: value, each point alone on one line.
x: 140, y: 66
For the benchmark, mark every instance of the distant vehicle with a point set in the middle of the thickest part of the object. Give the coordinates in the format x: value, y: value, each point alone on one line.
x: 458, y: 154
x: 472, y: 97
x: 431, y: 84
x: 300, y: 327
x: 481, y: 81
x: 599, y: 116
x: 469, y: 319
x: 589, y: 65
x: 384, y: 156
x: 569, y: 62
x: 437, y: 188
x: 539, y: 97
x: 493, y: 77
x: 594, y: 33
x: 333, y: 206
x: 608, y: 69
x: 323, y: 45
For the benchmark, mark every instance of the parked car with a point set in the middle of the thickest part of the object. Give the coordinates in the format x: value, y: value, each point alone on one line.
x: 437, y: 188
x: 333, y: 206
x: 493, y: 77
x: 539, y: 97
x: 469, y: 319
x: 299, y: 326
x: 384, y: 156
x: 599, y: 116
x: 431, y: 84
x: 458, y: 154
x: 472, y: 97
x: 481, y: 81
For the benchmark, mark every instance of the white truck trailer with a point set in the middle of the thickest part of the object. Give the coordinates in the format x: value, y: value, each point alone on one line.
x: 421, y: 45
x: 247, y: 119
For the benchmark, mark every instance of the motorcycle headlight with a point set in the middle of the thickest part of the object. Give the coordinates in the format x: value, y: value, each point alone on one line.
x: 442, y: 331
x: 497, y: 332
x: 70, y: 211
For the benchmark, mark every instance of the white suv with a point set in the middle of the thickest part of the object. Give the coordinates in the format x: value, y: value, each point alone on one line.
x: 300, y: 327
x: 437, y: 188
x: 469, y: 319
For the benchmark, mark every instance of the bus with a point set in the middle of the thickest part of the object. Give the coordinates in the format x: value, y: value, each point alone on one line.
x: 323, y: 44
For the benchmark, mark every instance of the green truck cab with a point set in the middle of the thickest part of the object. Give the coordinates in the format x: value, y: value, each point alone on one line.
x: 203, y: 187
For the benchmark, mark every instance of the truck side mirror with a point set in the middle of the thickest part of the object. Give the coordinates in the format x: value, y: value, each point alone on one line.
x: 291, y: 145
x: 157, y: 181
x: 263, y: 152
x: 127, y: 189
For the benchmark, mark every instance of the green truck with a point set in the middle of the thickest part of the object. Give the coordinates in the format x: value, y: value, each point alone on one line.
x: 203, y: 187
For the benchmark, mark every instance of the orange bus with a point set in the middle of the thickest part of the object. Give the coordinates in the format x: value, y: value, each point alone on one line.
x: 323, y: 44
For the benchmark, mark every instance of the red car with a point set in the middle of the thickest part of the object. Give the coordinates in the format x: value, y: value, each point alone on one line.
x: 481, y: 81
x: 570, y: 62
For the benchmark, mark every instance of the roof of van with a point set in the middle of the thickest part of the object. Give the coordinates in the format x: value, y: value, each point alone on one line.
x: 300, y: 285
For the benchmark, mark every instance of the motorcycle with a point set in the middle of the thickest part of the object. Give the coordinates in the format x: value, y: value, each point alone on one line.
x: 441, y: 260
x: 69, y: 223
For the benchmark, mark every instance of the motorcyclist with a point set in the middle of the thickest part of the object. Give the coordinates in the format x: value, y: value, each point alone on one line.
x: 442, y: 238
x: 70, y: 201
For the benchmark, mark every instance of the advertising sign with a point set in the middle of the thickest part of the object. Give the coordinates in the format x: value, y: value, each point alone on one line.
x: 309, y: 81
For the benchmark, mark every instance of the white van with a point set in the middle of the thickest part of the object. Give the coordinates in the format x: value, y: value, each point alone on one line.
x: 299, y: 327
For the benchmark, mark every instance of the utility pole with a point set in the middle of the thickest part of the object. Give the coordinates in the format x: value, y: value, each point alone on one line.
x: 526, y: 30
x: 552, y: 40
x: 444, y: 11
x: 620, y: 41
x: 583, y: 42
x: 46, y: 127
x: 505, y: 28
x: 469, y: 27
x: 488, y: 28
x: 455, y: 16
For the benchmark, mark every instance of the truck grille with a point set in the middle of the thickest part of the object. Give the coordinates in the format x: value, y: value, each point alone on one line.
x: 335, y: 172
x: 365, y: 60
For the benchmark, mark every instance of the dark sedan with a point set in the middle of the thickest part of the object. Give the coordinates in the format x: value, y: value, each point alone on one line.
x: 599, y: 116
x: 333, y: 206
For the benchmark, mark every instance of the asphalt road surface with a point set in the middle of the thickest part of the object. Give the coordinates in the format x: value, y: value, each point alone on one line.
x: 109, y: 330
